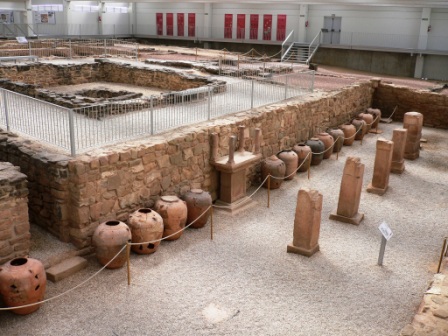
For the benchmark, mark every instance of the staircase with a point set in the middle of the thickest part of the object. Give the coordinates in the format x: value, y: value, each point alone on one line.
x: 297, y: 53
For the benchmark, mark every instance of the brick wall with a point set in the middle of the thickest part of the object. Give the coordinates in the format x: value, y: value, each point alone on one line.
x: 14, y: 224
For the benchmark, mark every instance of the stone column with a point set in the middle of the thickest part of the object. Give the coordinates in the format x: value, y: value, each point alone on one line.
x: 350, y: 193
x: 413, y: 122
x: 307, y: 223
x: 381, y: 168
x: 399, y: 140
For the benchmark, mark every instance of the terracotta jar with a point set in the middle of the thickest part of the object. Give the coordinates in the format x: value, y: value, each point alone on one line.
x: 198, y: 201
x: 361, y: 127
x: 22, y: 281
x: 275, y: 167
x: 317, y: 148
x: 174, y: 213
x: 146, y: 227
x: 302, y: 151
x: 338, y: 137
x: 328, y: 141
x: 108, y: 239
x: 376, y: 113
x: 368, y: 118
x: 291, y: 160
x: 349, y: 133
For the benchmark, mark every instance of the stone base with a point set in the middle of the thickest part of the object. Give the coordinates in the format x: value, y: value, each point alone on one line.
x: 355, y: 220
x: 412, y: 156
x: 375, y: 190
x: 397, y: 167
x: 376, y: 131
x: 300, y: 250
x: 237, y: 206
x: 66, y: 268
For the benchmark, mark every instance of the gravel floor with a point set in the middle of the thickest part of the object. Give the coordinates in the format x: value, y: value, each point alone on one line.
x: 244, y: 283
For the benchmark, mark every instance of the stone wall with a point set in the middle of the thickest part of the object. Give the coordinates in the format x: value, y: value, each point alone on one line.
x: 112, y: 182
x: 432, y: 105
x: 14, y: 224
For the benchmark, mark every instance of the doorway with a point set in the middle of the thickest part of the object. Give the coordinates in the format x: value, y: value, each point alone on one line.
x: 331, y: 33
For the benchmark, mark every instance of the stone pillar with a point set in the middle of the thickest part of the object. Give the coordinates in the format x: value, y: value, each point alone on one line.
x: 350, y: 193
x: 399, y: 140
x: 307, y: 223
x: 381, y: 169
x: 413, y: 122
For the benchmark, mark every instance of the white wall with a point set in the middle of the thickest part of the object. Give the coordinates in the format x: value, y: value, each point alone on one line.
x: 438, y: 36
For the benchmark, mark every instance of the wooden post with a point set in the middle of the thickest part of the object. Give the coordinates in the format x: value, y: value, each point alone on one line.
x: 128, y: 263
x: 211, y: 223
x: 196, y: 53
x: 269, y: 190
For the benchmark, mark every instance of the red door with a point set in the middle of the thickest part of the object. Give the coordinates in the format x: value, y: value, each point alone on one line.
x: 159, y: 23
x: 191, y: 24
x: 254, y: 26
x: 180, y: 24
x: 228, y: 25
x: 281, y: 27
x: 241, y: 26
x: 267, y: 27
x: 169, y: 24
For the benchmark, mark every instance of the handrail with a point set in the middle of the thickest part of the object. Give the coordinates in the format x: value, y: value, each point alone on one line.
x: 283, y: 45
x: 311, y: 49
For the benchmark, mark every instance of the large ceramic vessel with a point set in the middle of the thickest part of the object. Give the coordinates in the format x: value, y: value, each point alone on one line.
x: 108, y: 239
x: 376, y: 113
x: 349, y: 133
x: 291, y: 160
x: 317, y: 148
x: 275, y: 167
x: 304, y: 154
x: 361, y: 127
x: 174, y: 213
x: 146, y: 227
x: 22, y: 281
x: 368, y: 118
x: 328, y: 141
x: 198, y: 203
x: 338, y: 137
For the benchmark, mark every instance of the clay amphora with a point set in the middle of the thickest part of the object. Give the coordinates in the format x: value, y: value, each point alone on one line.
x: 317, y: 148
x: 108, y: 239
x: 291, y: 160
x: 174, y: 213
x: 198, y: 201
x: 349, y: 133
x: 376, y: 113
x: 328, y: 141
x: 146, y: 227
x: 338, y: 137
x: 361, y: 127
x: 302, y: 151
x: 275, y: 167
x: 368, y: 118
x: 22, y: 281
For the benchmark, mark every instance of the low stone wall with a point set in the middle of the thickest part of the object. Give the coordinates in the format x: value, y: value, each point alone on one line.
x: 432, y: 105
x: 14, y: 224
x: 113, y: 182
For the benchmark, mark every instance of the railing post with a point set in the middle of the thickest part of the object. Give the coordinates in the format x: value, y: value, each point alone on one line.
x: 252, y: 95
x: 286, y: 86
x: 29, y: 48
x: 5, y: 104
x: 70, y: 48
x: 152, y: 115
x: 105, y: 48
x: 71, y: 124
x: 209, y: 103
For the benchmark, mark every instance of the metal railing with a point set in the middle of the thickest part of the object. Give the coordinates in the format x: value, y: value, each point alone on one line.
x: 287, y: 45
x: 252, y: 65
x: 314, y: 45
x: 81, y: 129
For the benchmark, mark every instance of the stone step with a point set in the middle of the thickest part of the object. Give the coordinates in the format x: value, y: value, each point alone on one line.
x: 66, y: 268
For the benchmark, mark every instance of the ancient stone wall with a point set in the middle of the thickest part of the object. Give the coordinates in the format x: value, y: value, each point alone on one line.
x: 432, y: 105
x: 71, y: 196
x: 14, y: 224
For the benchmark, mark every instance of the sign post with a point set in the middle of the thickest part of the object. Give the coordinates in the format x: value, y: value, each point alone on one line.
x: 386, y: 235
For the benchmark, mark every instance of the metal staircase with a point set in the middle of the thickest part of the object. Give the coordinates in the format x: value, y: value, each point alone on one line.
x: 298, y: 52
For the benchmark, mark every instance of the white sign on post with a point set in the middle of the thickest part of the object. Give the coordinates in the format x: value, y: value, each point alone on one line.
x: 385, y: 230
x: 21, y: 39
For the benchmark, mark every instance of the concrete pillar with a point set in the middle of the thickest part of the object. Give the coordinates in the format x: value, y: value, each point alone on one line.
x: 413, y: 122
x: 306, y: 223
x: 132, y: 18
x: 208, y: 13
x: 102, y: 10
x: 381, y: 168
x: 350, y: 193
x: 29, y: 16
x: 303, y: 18
x: 419, y: 63
x: 422, y: 43
x: 399, y: 139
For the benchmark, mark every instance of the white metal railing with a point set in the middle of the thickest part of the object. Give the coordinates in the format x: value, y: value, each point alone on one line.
x: 77, y: 130
x: 285, y: 46
x: 314, y: 45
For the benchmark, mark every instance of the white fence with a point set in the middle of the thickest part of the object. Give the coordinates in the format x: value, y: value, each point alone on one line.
x: 78, y: 130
